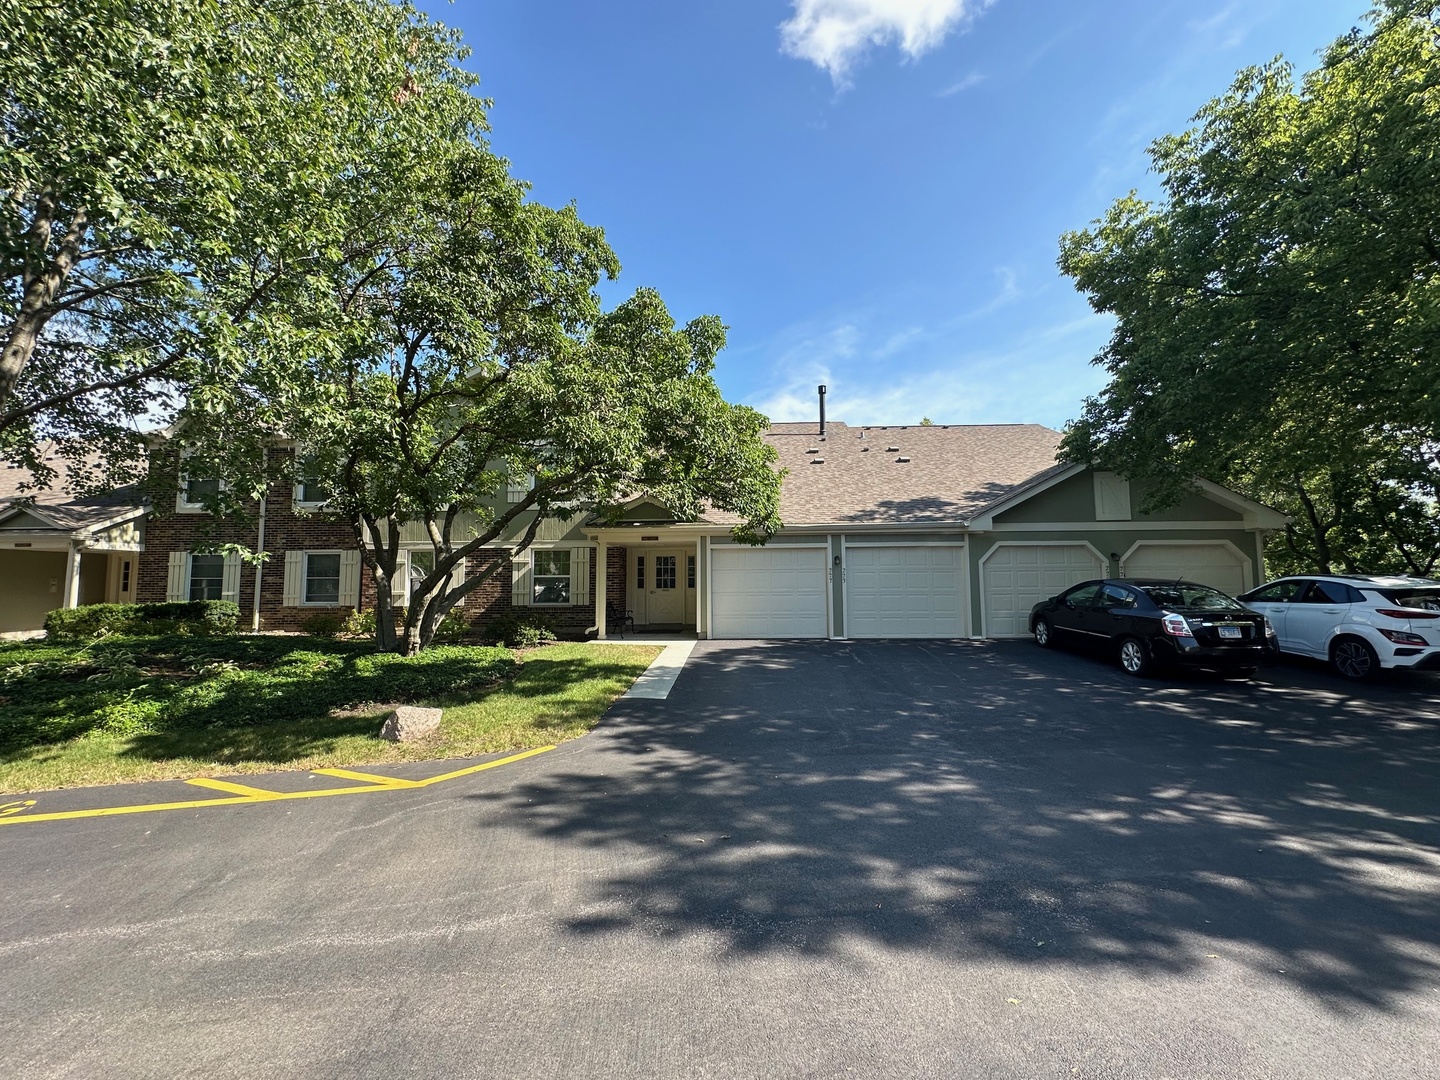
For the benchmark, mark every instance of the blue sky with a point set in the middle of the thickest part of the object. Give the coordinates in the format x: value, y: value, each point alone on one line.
x: 868, y: 192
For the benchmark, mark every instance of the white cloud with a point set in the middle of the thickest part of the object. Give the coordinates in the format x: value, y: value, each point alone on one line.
x: 833, y: 34
x: 973, y: 79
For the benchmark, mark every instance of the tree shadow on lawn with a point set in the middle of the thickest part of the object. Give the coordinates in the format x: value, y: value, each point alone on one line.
x: 320, y: 733
x: 994, y: 801
x: 271, y: 700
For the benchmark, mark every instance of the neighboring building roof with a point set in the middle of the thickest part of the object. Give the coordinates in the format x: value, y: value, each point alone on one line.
x: 68, y: 512
x: 952, y: 471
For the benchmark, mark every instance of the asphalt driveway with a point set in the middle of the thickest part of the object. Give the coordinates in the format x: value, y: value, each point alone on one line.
x: 811, y: 860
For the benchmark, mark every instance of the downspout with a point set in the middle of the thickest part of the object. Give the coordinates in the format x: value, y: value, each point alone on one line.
x: 260, y: 542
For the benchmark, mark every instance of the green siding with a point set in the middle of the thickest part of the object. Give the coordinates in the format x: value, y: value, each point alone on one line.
x: 1069, y: 500
x: 1074, y: 500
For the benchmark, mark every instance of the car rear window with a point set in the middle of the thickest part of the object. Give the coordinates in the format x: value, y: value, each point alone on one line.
x: 1429, y: 599
x: 1194, y: 597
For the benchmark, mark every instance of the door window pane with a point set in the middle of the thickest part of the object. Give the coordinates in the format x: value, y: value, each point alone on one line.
x: 665, y: 571
x: 207, y: 577
x: 639, y: 571
x: 322, y: 579
x: 552, y: 577
x: 689, y: 571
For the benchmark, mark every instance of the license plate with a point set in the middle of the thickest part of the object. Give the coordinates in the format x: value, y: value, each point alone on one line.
x: 1230, y: 632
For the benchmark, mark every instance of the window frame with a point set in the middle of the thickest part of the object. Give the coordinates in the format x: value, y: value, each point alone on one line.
x: 297, y: 494
x: 190, y: 576
x: 305, y: 600
x: 536, y: 576
x: 182, y: 497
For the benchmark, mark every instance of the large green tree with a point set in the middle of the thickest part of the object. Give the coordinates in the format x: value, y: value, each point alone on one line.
x: 1277, y: 311
x: 180, y: 181
x: 481, y: 354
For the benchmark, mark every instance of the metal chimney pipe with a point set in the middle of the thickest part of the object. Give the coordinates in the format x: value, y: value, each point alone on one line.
x: 822, y: 411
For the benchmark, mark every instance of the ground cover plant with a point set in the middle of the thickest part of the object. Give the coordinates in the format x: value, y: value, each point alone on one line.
x: 130, y: 708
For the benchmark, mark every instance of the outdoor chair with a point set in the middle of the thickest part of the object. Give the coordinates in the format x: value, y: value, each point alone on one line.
x: 616, y: 616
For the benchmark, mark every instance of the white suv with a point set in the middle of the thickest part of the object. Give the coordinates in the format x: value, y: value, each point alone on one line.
x: 1359, y: 624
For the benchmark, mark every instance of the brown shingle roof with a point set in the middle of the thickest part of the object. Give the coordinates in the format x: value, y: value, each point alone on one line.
x: 65, y: 508
x: 954, y: 470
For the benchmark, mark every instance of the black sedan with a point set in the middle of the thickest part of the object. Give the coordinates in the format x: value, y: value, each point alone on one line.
x: 1148, y: 623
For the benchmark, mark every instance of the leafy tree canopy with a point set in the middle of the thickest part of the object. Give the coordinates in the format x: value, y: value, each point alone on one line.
x: 1277, y: 312
x: 177, y: 179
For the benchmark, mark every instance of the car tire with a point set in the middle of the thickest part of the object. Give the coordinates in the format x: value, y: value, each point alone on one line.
x: 1134, y: 657
x: 1044, y: 633
x: 1353, y: 658
x: 1241, y: 673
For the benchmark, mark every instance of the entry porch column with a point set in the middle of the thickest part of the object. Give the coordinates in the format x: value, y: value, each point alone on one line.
x: 72, y: 576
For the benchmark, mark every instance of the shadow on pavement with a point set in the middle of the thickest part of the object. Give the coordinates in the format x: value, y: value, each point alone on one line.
x: 991, y: 800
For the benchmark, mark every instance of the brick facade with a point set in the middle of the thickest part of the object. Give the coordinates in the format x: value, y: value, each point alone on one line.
x: 168, y: 531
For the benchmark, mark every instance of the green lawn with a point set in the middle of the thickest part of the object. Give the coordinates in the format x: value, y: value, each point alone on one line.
x: 157, y: 708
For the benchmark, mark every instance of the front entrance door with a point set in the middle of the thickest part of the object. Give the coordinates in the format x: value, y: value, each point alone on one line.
x: 665, y: 594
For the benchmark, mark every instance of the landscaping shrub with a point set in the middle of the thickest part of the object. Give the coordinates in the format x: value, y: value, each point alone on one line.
x: 527, y: 631
x: 196, y: 618
x: 326, y: 624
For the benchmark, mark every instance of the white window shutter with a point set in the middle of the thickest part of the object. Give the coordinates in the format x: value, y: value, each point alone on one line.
x: 294, y: 577
x: 580, y: 576
x: 522, y: 588
x: 230, y: 579
x: 177, y: 584
x: 399, y: 583
x: 350, y: 578
x: 457, y: 574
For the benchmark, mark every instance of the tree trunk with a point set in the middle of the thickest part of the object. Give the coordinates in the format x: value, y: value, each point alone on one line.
x: 41, y: 291
x: 1318, y: 530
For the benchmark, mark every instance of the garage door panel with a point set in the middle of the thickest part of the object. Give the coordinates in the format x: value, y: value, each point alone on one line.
x: 904, y: 591
x: 768, y: 592
x: 1206, y: 563
x: 1017, y: 577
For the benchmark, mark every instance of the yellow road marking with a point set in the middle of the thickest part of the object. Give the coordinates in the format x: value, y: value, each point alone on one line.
x: 233, y: 789
x: 481, y: 768
x: 369, y: 778
x: 244, y: 794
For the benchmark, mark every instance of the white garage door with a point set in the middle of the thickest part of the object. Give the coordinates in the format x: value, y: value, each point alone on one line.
x: 904, y: 592
x: 1209, y: 564
x: 1016, y: 577
x: 767, y: 593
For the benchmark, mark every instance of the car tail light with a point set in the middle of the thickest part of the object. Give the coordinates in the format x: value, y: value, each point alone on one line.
x: 1269, y: 628
x: 1175, y: 625
x: 1400, y: 637
x: 1406, y: 613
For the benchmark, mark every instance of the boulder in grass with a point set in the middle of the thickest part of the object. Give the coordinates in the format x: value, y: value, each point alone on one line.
x: 410, y: 722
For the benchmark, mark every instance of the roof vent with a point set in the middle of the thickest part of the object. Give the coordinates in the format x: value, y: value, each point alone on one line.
x: 892, y: 449
x: 817, y: 461
x: 812, y: 450
x: 903, y: 460
x: 864, y: 449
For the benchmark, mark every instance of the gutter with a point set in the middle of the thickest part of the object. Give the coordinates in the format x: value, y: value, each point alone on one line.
x: 260, y: 544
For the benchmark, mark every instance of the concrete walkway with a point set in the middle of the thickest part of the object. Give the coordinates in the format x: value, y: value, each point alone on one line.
x: 659, y: 678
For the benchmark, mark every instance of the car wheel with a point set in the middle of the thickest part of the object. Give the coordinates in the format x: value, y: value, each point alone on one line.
x: 1353, y: 658
x: 1133, y: 657
x: 1044, y: 633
